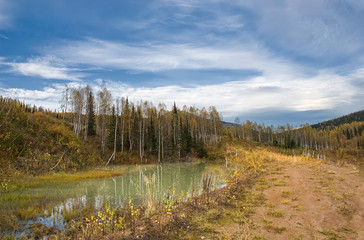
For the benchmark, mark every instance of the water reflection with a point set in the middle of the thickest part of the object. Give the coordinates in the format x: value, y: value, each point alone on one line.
x: 152, y: 182
x: 140, y: 183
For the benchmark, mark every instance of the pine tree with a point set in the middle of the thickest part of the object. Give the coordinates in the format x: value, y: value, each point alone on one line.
x: 91, y: 124
x: 111, y: 128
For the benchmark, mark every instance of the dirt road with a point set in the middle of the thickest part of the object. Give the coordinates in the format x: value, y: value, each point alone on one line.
x: 309, y: 201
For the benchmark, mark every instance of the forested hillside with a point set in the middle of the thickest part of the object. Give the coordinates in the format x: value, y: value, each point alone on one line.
x: 352, y: 117
x: 34, y: 141
x: 101, y: 130
x: 349, y: 136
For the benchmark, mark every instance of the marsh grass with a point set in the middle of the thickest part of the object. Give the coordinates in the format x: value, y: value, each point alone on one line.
x: 24, y: 182
x: 17, y: 205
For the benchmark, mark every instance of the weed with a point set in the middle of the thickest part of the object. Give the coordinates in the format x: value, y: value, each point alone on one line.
x: 269, y: 204
x: 347, y: 229
x: 281, y: 183
x: 286, y: 193
x: 168, y: 205
x: 298, y: 207
x: 335, y: 195
x: 259, y: 237
x: 268, y: 223
x: 103, y: 223
x: 329, y: 233
x: 286, y: 202
x: 275, y: 213
x: 279, y: 229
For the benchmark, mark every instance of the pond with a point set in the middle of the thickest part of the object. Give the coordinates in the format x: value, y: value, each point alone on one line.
x: 141, y: 183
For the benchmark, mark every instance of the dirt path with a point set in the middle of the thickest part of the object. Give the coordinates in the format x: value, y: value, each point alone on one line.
x: 309, y: 201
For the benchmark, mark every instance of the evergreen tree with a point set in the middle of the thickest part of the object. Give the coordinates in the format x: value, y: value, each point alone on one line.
x: 111, y: 128
x: 91, y: 124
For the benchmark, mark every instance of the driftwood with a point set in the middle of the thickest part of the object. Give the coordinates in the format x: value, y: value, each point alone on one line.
x: 58, y: 161
x: 113, y: 154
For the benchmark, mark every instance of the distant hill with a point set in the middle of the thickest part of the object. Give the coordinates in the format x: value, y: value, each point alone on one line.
x: 229, y: 124
x: 352, y: 117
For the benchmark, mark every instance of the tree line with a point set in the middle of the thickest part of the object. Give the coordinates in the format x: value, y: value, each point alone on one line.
x: 349, y: 135
x: 141, y: 128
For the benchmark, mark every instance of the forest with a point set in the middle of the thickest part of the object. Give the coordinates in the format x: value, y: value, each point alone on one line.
x: 99, y: 129
x: 51, y: 150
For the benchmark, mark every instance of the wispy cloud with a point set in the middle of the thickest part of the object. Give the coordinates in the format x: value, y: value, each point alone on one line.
x: 46, y: 67
x: 239, y: 97
x: 305, y: 55
x: 314, y: 28
x: 5, y: 14
x: 322, y: 92
x: 158, y: 57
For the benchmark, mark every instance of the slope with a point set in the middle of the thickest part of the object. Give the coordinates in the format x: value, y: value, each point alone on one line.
x: 352, y: 117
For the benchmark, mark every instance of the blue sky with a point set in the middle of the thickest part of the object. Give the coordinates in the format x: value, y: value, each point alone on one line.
x: 267, y: 61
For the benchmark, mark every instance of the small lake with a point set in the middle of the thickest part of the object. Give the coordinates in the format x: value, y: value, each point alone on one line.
x: 140, y: 183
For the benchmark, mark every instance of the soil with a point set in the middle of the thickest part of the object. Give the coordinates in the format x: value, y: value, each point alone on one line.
x: 309, y: 201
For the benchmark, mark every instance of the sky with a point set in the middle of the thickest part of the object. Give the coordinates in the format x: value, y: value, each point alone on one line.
x: 270, y: 61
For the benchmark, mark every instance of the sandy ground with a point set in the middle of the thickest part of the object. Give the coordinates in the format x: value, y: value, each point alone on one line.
x: 309, y: 201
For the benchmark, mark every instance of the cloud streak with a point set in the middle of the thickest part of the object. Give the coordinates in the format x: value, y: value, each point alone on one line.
x: 158, y: 57
x: 232, y: 99
x: 43, y: 67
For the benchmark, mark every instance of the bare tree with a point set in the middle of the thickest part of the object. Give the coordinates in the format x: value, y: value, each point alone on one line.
x: 104, y: 108
x: 65, y: 99
x: 77, y: 100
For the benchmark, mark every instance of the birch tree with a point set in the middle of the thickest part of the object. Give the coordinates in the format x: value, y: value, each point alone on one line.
x: 77, y: 100
x: 104, y: 109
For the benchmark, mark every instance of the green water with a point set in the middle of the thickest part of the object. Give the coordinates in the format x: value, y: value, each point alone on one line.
x: 139, y: 183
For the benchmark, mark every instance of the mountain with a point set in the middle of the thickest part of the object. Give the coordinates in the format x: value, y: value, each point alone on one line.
x: 352, y: 117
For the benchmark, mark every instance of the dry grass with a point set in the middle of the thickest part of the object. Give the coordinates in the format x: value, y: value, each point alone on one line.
x: 21, y: 183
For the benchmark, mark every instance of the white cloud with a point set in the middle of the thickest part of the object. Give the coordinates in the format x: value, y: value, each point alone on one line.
x: 325, y: 91
x: 281, y: 85
x: 158, y: 57
x: 235, y: 98
x: 47, y: 67
x: 315, y: 28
